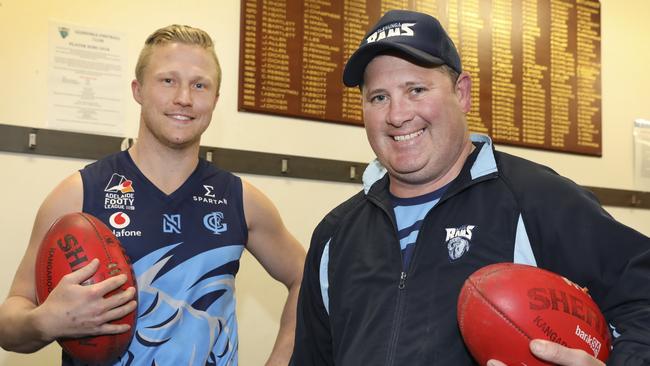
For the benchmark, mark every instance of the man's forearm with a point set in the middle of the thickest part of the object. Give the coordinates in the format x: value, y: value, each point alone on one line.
x: 18, y: 331
x: 283, y: 346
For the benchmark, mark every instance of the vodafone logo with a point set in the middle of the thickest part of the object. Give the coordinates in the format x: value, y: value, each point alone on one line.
x: 119, y: 220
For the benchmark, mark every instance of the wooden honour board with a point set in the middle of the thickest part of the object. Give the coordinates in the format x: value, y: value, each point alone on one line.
x: 535, y: 64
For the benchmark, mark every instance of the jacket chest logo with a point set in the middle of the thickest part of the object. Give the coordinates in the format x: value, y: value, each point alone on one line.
x: 459, y: 240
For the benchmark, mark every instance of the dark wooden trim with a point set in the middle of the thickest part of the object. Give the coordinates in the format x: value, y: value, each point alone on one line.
x: 279, y: 165
x: 26, y: 140
x: 56, y: 143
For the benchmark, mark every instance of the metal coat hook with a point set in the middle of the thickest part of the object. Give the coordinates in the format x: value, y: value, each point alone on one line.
x: 353, y: 172
x: 285, y: 166
x: 32, y: 140
x: 127, y: 143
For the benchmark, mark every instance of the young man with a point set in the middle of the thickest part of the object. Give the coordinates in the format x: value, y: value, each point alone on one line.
x: 385, y: 268
x: 187, y: 222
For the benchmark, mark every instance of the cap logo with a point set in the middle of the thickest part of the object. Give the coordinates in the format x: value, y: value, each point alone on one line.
x: 391, y: 30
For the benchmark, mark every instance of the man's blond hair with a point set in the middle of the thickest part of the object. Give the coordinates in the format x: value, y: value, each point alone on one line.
x: 176, y: 34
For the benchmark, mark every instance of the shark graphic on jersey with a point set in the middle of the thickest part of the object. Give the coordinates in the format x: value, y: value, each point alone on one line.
x: 187, y: 301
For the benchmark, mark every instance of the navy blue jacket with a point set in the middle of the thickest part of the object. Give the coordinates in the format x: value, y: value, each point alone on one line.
x: 357, y: 305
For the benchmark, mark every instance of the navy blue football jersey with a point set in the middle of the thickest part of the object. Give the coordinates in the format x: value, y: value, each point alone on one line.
x: 185, y: 249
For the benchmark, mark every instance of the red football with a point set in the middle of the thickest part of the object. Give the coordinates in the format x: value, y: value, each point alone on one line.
x: 503, y: 306
x: 71, y: 243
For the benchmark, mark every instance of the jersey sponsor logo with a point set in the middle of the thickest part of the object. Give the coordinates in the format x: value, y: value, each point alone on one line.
x: 209, y: 197
x: 214, y: 223
x: 392, y: 30
x: 119, y: 193
x: 212, y: 201
x: 119, y: 183
x: 119, y: 220
x: 126, y: 233
x: 172, y: 223
x: 459, y: 240
x: 208, y: 191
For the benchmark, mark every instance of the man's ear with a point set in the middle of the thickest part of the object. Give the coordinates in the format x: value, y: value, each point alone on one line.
x: 136, y: 89
x: 464, y: 91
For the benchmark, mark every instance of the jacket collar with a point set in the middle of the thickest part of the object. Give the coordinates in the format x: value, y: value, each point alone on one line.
x: 483, y: 165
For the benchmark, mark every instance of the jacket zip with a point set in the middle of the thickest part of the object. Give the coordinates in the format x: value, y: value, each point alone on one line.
x: 399, y: 308
x: 400, y: 294
x: 401, y: 287
x: 397, y: 319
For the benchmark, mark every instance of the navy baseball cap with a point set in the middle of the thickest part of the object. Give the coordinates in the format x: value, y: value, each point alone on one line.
x: 419, y: 36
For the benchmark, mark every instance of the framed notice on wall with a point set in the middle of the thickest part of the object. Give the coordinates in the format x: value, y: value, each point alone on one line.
x: 535, y: 64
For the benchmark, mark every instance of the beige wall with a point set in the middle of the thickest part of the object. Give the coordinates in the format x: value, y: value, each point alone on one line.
x: 27, y: 179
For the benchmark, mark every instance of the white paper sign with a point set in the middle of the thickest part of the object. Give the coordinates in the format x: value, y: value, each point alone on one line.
x: 86, y: 80
x: 642, y: 155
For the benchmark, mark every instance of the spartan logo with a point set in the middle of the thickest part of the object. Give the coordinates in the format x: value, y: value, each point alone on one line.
x: 458, y: 240
x: 391, y: 30
x: 213, y: 222
x: 210, y: 197
x: 209, y: 191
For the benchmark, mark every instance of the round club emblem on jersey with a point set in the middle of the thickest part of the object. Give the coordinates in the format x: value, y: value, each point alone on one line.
x: 214, y: 222
x: 119, y: 220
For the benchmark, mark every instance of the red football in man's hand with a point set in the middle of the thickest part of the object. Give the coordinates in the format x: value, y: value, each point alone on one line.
x: 71, y: 243
x: 503, y: 306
